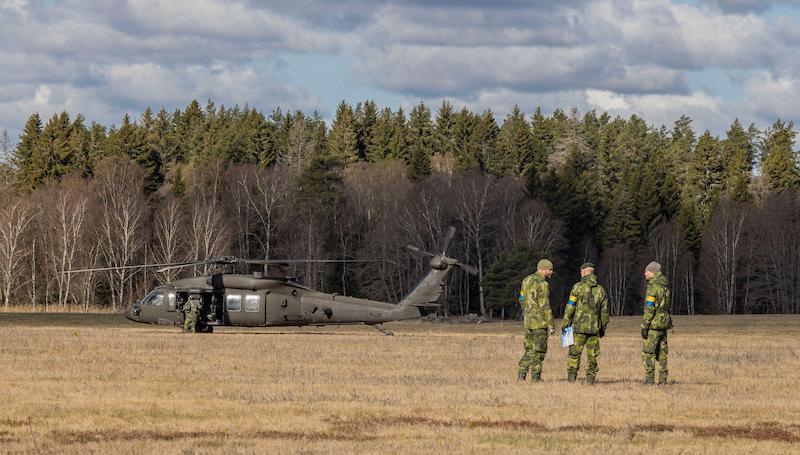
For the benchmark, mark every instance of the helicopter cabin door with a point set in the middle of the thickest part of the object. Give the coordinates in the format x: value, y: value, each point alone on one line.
x: 245, y: 307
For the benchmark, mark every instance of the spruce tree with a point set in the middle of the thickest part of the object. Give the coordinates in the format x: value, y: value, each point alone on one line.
x: 515, y: 143
x: 366, y: 116
x: 444, y: 130
x: 23, y: 153
x: 420, y: 143
x: 398, y: 145
x: 738, y: 151
x: 779, y: 163
x: 484, y: 144
x: 343, y: 139
x: 378, y: 147
x: 464, y: 125
x: 705, y: 178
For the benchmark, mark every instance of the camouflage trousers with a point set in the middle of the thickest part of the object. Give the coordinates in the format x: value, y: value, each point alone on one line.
x: 535, y: 345
x: 655, y: 347
x: 190, y: 321
x: 592, y: 343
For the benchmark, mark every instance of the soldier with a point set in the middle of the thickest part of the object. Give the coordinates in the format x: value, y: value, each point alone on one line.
x: 655, y: 323
x: 587, y: 313
x: 534, y: 298
x: 192, y: 310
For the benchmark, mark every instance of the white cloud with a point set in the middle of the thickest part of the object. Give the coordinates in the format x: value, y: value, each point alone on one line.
x: 607, y: 101
x: 773, y: 97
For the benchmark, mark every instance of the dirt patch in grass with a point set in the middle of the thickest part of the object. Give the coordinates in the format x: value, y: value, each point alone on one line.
x: 762, y: 431
x: 88, y: 437
x: 10, y: 423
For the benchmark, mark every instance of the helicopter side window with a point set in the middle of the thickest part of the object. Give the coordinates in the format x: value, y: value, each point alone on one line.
x: 251, y: 303
x: 154, y: 298
x: 171, y: 300
x: 234, y: 303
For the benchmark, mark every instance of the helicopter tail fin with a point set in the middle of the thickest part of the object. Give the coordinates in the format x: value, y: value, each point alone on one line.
x: 427, y: 292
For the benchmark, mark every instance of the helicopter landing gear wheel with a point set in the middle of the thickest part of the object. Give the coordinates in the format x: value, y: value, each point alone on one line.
x: 382, y: 329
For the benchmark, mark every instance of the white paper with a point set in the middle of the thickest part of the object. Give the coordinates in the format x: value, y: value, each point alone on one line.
x: 567, y: 338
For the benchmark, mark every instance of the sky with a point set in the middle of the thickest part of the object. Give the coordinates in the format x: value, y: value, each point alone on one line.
x: 713, y: 60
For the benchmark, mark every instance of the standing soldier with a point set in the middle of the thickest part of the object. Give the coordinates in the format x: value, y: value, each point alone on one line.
x: 587, y: 313
x: 655, y: 323
x: 191, y: 312
x: 534, y: 298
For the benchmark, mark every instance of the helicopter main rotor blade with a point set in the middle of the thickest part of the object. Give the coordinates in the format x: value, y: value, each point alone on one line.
x: 471, y: 269
x: 121, y: 267
x: 307, y: 261
x: 417, y: 250
x: 448, y: 236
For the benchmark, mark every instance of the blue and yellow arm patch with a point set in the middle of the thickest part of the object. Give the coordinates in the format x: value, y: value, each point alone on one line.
x: 521, y: 298
x: 572, y: 300
x: 650, y: 301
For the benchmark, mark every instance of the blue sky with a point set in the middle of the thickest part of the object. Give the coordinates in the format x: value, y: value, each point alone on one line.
x: 714, y: 60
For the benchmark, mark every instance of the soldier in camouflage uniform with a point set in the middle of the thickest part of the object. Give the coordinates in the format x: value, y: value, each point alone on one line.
x: 534, y: 298
x: 191, y: 312
x: 655, y: 323
x: 587, y: 313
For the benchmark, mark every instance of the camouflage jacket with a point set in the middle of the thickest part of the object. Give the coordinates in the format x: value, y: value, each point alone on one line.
x: 657, y: 304
x: 534, y: 298
x: 587, y: 308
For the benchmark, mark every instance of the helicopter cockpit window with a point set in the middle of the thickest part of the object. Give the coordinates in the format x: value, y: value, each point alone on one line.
x: 234, y: 303
x: 154, y: 298
x: 251, y: 303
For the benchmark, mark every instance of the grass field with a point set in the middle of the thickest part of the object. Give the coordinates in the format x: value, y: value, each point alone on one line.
x: 76, y: 383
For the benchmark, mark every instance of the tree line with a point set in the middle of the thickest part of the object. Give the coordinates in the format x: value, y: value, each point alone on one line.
x: 721, y: 214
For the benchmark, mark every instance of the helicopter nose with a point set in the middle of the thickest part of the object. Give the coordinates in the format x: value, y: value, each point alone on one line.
x: 132, y: 313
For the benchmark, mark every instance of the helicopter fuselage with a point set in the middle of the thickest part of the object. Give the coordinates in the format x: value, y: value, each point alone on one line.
x: 253, y: 301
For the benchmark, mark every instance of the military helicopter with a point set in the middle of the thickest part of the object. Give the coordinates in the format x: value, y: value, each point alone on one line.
x: 255, y: 300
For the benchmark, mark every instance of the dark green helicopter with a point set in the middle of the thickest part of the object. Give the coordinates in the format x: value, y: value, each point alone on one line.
x: 255, y: 300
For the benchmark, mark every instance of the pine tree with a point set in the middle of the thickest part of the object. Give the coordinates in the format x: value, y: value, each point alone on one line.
x: 343, y: 140
x: 779, y: 163
x: 420, y: 140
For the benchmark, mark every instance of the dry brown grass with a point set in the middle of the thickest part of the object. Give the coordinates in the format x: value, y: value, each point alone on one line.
x: 96, y: 383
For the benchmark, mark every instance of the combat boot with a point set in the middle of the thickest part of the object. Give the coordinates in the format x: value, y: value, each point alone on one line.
x: 536, y: 377
x: 590, y: 380
x: 648, y: 380
x: 521, y: 376
x: 571, y: 376
x: 662, y: 379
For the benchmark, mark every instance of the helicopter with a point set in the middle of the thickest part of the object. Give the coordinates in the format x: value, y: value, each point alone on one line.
x: 255, y: 300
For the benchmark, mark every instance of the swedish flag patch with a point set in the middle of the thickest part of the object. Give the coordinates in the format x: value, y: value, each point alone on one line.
x: 572, y: 300
x: 521, y: 298
x: 650, y: 301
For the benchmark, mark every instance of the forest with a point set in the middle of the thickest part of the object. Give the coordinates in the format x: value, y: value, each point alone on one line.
x: 721, y: 214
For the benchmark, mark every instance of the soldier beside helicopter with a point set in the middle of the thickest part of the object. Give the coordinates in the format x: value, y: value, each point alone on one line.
x: 191, y: 313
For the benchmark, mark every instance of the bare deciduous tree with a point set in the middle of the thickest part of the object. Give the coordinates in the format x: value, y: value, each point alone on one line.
x: 118, y: 183
x: 15, y: 217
